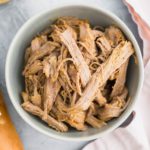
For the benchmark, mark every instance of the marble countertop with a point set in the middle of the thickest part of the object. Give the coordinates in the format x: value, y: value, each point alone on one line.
x: 12, y: 16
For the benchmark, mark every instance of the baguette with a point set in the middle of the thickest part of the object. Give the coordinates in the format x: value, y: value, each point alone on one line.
x: 9, y: 139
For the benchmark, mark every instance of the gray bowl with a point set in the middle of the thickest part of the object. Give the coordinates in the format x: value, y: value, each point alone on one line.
x: 15, y: 61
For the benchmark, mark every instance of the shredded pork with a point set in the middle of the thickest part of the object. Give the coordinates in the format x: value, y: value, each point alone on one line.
x: 75, y: 74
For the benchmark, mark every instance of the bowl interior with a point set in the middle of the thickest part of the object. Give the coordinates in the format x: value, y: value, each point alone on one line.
x: 15, y: 63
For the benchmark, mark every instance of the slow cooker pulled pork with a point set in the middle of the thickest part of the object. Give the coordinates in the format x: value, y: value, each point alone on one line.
x: 75, y: 74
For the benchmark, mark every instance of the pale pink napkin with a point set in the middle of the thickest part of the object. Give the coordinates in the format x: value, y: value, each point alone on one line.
x: 137, y: 135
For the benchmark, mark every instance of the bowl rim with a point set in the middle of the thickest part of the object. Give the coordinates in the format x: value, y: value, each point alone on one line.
x: 66, y: 5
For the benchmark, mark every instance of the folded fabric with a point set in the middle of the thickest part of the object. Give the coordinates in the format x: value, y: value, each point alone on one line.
x: 141, y: 16
x: 137, y: 135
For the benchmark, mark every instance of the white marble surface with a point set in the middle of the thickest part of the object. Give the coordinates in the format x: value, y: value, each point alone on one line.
x: 12, y: 16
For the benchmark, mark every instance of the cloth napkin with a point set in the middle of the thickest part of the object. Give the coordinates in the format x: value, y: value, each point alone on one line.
x: 137, y: 135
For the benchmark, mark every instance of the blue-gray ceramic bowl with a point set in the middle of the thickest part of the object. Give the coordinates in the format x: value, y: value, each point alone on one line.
x: 15, y: 59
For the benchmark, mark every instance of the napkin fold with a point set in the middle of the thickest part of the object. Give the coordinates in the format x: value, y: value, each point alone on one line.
x: 137, y: 135
x: 141, y: 15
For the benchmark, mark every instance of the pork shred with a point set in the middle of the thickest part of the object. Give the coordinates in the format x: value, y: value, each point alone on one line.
x: 75, y: 74
x: 52, y: 122
x: 76, y: 54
